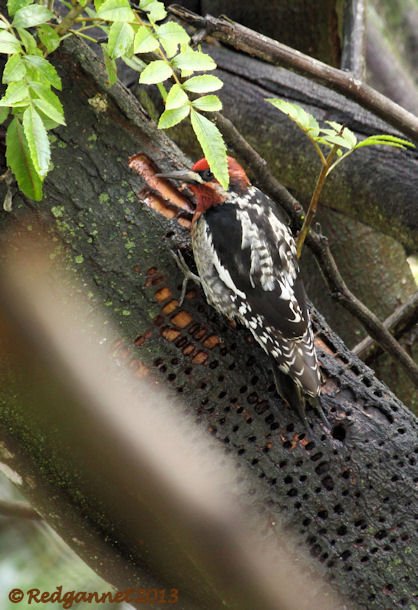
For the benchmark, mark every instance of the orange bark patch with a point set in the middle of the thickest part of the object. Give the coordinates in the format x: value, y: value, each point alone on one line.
x: 170, y: 334
x: 211, y: 341
x: 322, y: 345
x: 143, y: 166
x: 182, y: 319
x: 188, y: 349
x: 142, y: 338
x: 200, y: 358
x: 170, y: 307
x: 163, y: 294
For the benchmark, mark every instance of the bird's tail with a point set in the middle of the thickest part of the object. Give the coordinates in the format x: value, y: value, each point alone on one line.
x: 293, y: 394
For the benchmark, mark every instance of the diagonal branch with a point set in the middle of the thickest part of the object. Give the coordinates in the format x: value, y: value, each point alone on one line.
x: 320, y: 248
x: 271, y: 51
x: 401, y: 318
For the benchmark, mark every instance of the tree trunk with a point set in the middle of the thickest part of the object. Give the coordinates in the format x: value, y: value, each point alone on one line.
x: 346, y: 493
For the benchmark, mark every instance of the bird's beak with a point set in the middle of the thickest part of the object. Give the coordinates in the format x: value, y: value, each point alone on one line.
x: 186, y: 175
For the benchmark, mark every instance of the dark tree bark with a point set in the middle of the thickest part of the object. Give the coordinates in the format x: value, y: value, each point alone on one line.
x: 348, y: 494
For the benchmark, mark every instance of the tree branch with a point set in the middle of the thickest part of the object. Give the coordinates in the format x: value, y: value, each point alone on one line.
x: 354, y: 39
x: 403, y: 317
x: 320, y: 248
x: 19, y: 510
x: 271, y: 51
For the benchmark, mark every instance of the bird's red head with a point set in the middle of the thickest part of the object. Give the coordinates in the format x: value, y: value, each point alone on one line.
x: 209, y: 192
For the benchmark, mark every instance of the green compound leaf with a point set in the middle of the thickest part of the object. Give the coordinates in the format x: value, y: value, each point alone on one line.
x: 29, y: 42
x: 169, y: 118
x: 116, y: 10
x: 37, y: 139
x: 14, y: 70
x: 48, y: 37
x: 19, y: 160
x: 194, y: 60
x: 145, y: 41
x: 208, y: 103
x: 17, y: 95
x: 156, y: 10
x: 29, y: 16
x: 8, y: 43
x: 176, y: 97
x: 50, y: 110
x: 213, y: 146
x: 205, y: 83
x: 121, y: 39
x: 385, y: 140
x: 298, y: 115
x: 171, y: 35
x: 156, y: 72
x: 4, y: 113
x: 14, y: 5
x: 45, y: 69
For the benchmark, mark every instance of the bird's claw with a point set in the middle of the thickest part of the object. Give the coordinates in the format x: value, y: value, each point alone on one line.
x: 188, y: 275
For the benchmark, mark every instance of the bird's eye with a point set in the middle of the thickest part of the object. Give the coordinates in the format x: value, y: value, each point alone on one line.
x: 206, y: 175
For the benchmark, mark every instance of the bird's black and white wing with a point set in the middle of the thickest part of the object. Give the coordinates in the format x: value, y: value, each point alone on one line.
x: 248, y: 266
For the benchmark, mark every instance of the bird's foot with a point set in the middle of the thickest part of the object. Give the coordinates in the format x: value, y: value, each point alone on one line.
x: 188, y: 275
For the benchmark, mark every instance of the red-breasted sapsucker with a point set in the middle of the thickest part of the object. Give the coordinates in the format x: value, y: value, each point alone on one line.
x: 246, y: 259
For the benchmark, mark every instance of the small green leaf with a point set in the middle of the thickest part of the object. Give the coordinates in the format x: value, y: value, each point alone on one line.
x: 156, y: 10
x: 156, y: 72
x: 208, y: 103
x: 110, y: 65
x: 145, y: 41
x: 8, y: 43
x: 29, y: 16
x: 176, y: 98
x: 14, y: 69
x: 116, y: 10
x: 121, y: 39
x: 135, y: 63
x: 50, y: 111
x: 194, y: 60
x: 205, y: 83
x: 37, y: 139
x: 171, y: 35
x: 335, y: 139
x: 29, y: 42
x: 386, y: 140
x: 4, y: 113
x: 20, y: 162
x: 14, y: 5
x: 48, y: 37
x: 17, y: 94
x: 213, y: 146
x: 169, y: 118
x: 298, y: 115
x: 98, y: 4
x: 337, y: 127
x: 46, y: 70
x: 349, y: 137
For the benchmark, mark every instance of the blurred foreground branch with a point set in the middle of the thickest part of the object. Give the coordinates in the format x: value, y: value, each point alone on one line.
x: 163, y: 485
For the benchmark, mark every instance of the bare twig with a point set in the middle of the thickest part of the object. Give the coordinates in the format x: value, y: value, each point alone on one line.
x: 354, y: 38
x: 320, y: 248
x: 19, y: 510
x: 70, y: 18
x: 274, y: 52
x: 340, y: 291
x: 400, y: 319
